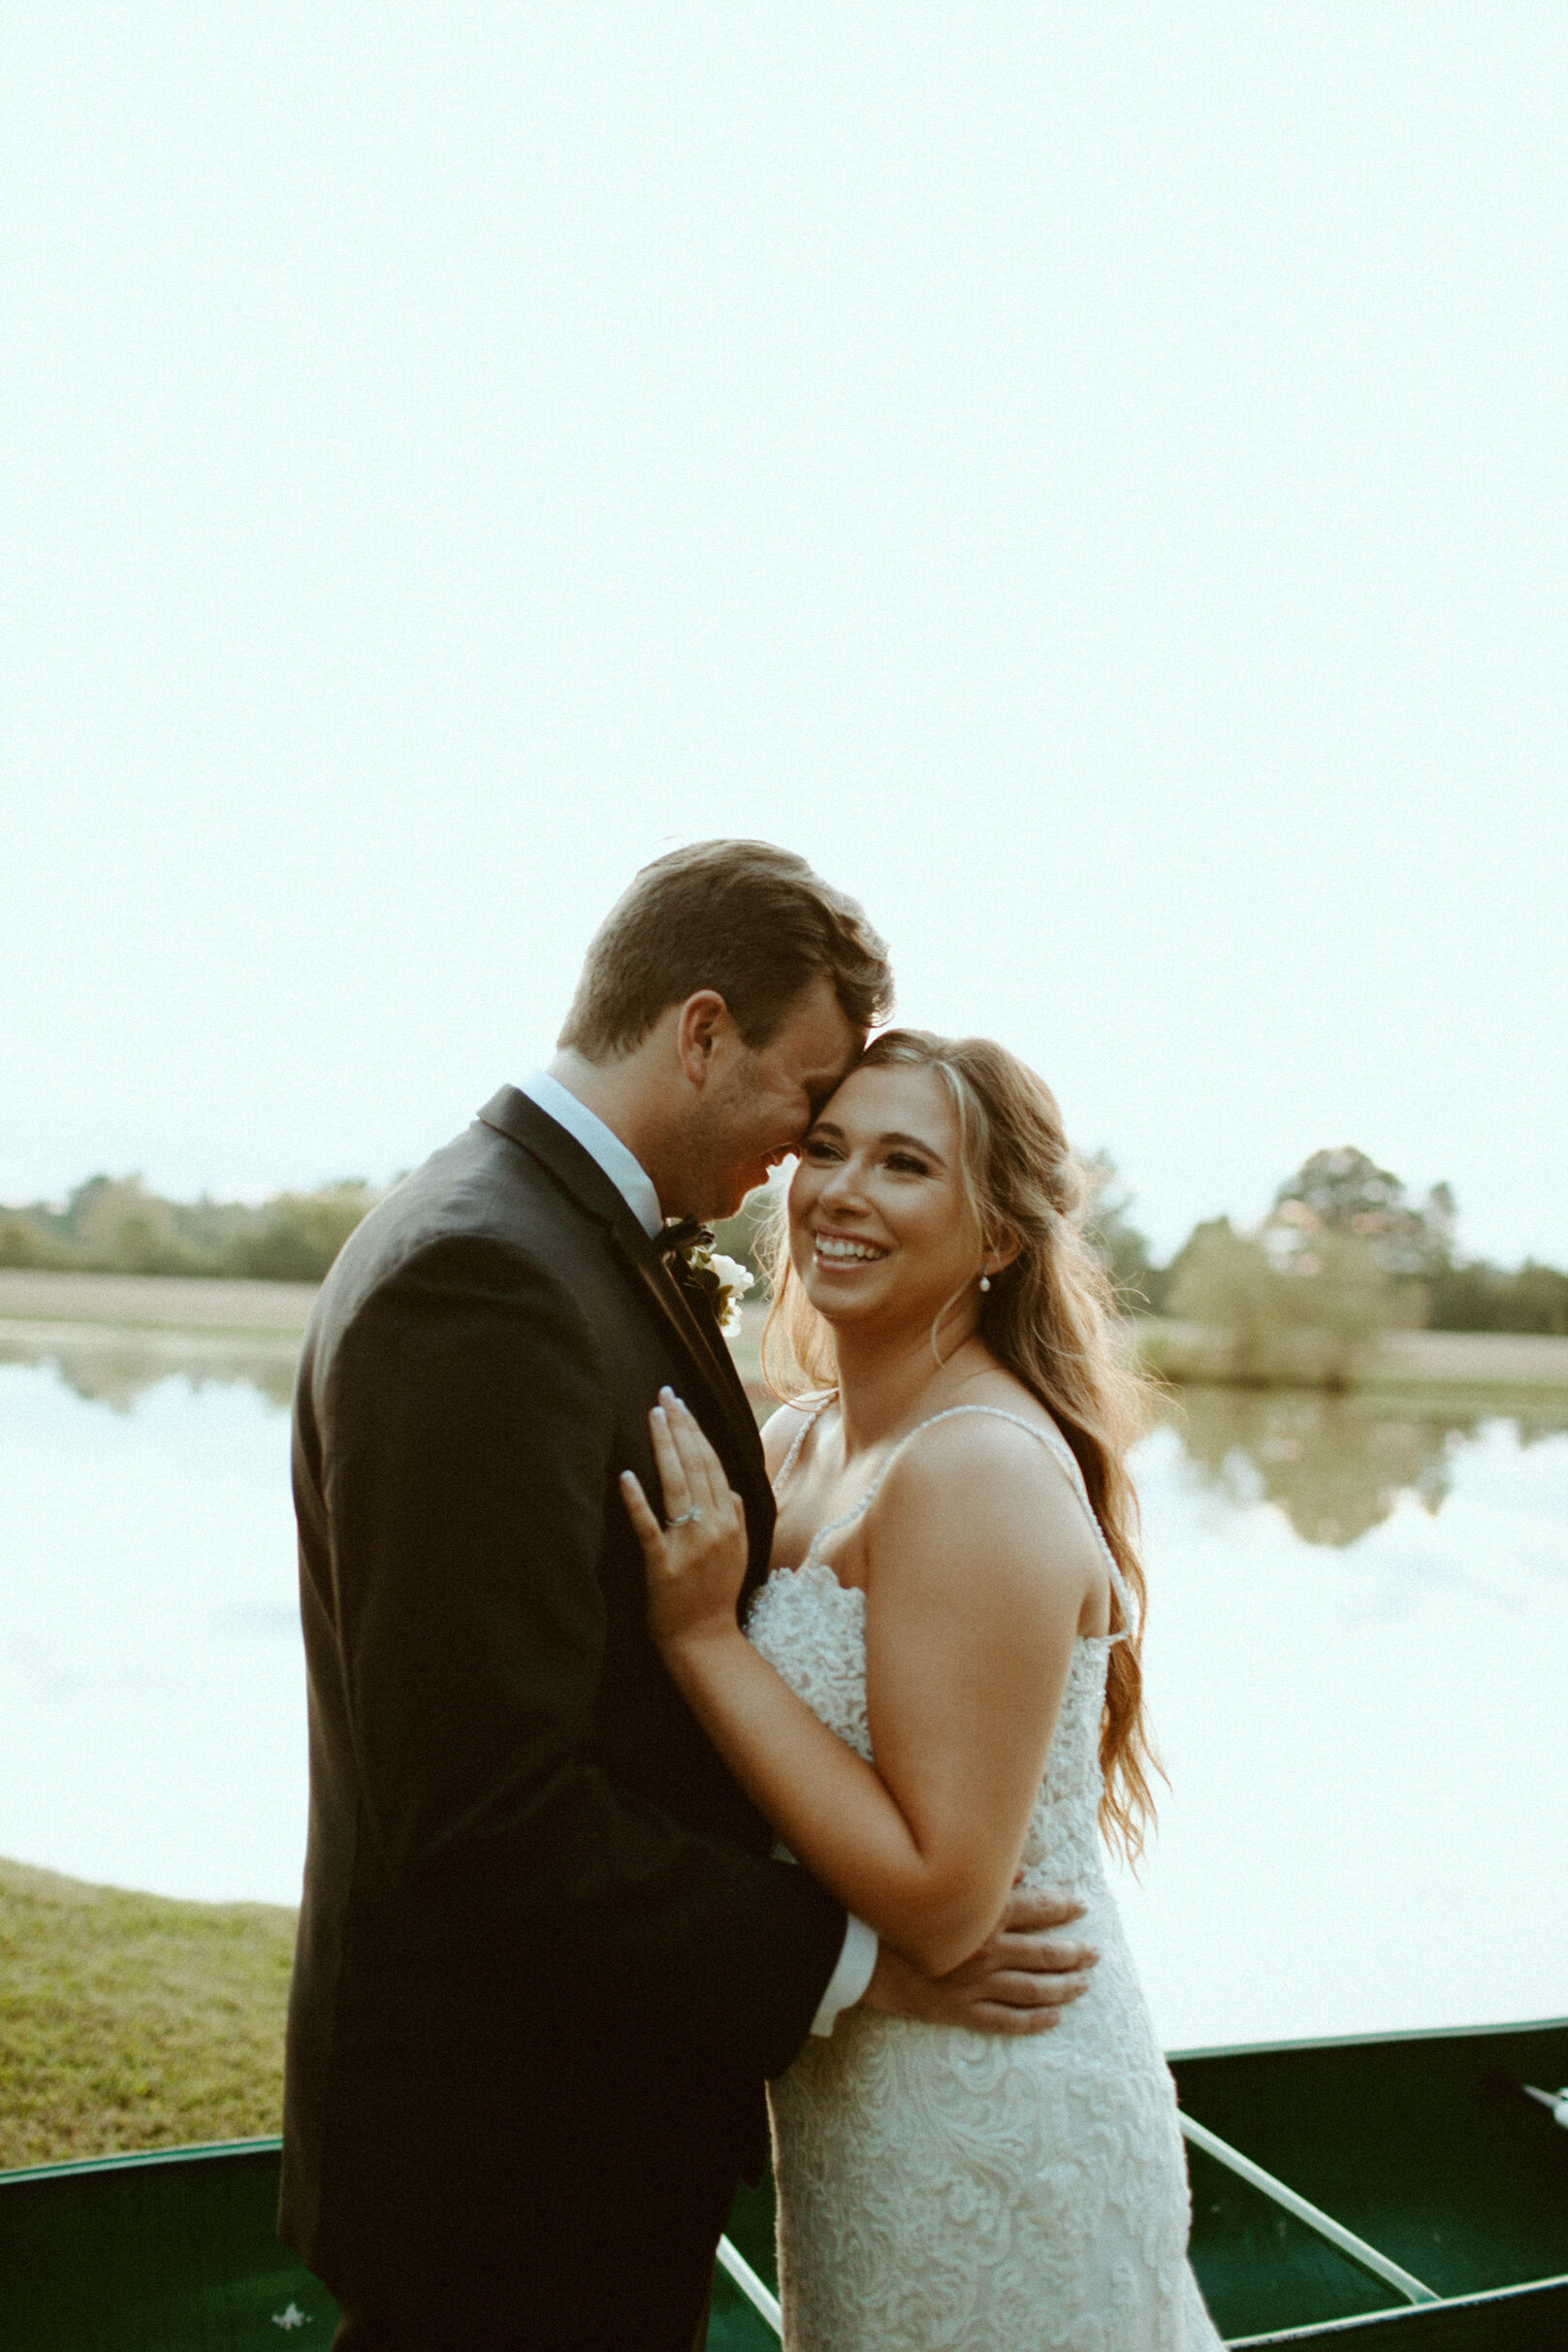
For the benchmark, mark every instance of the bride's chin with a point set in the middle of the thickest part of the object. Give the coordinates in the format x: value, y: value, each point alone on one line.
x: 831, y: 1304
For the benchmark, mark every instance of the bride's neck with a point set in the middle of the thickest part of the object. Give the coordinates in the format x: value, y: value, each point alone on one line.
x: 884, y: 1384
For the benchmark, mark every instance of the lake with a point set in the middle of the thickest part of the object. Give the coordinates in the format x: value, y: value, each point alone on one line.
x: 1357, y: 1660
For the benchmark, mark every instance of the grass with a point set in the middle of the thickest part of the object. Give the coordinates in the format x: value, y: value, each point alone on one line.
x: 128, y: 2021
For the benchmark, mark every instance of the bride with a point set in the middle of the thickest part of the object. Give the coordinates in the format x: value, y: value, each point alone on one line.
x: 937, y: 1693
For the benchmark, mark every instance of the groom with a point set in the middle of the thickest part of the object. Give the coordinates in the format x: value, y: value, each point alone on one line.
x: 545, y: 1960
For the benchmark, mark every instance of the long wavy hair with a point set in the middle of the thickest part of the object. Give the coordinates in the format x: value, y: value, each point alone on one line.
x: 1049, y: 1318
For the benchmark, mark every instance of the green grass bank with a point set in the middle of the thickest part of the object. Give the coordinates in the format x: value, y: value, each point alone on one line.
x: 128, y: 2021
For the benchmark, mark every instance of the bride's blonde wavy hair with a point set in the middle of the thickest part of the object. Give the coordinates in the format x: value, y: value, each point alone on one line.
x: 1049, y: 1318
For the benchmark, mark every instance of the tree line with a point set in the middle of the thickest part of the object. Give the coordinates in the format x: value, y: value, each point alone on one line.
x: 1342, y: 1250
x: 114, y: 1225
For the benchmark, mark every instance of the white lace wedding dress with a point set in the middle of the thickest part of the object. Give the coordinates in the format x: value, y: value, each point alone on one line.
x: 947, y: 2191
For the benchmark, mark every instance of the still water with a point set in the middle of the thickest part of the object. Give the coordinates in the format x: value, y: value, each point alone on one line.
x: 1357, y: 1665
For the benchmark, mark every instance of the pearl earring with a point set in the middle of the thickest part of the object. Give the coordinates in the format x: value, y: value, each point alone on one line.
x: 985, y: 1281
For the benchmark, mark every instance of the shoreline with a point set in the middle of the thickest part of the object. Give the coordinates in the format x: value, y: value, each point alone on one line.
x: 44, y: 1313
x: 140, y: 1303
x: 1492, y: 1367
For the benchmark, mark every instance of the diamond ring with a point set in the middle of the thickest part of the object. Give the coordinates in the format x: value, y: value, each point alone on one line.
x: 688, y: 1518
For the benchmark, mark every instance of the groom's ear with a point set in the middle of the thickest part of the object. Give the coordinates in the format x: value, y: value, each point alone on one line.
x: 703, y: 1023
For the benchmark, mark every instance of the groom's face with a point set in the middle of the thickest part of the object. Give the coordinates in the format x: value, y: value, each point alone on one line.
x: 760, y: 1102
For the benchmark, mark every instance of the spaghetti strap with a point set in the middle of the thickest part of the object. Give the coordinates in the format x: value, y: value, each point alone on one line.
x: 801, y: 1435
x: 1054, y: 1443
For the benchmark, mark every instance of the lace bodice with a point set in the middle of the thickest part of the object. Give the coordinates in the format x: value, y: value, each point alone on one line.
x: 812, y: 1630
x: 947, y: 2191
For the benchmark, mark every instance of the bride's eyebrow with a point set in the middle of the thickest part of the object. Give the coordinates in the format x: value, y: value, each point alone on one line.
x: 892, y: 1140
x: 912, y: 1143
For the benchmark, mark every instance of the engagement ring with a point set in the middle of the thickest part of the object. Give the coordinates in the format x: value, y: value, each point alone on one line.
x: 687, y: 1519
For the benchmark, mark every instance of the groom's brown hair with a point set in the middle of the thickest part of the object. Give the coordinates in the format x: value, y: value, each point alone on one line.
x: 744, y: 917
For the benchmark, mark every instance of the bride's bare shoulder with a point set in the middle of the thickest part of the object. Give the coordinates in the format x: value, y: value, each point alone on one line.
x: 982, y: 1480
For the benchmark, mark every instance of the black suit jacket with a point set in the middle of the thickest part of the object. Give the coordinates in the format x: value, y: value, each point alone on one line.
x: 542, y: 1946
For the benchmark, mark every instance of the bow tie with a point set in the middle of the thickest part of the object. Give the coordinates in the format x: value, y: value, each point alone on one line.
x: 685, y: 1233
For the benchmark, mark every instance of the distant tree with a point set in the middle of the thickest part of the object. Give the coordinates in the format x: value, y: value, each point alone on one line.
x: 1311, y: 1314
x: 299, y: 1234
x: 1111, y: 1233
x: 1223, y: 1279
x: 115, y: 1225
x: 1347, y: 1193
x: 1479, y: 1297
x: 1540, y: 1300
x: 1345, y: 1297
x: 23, y: 1241
x: 1441, y: 1218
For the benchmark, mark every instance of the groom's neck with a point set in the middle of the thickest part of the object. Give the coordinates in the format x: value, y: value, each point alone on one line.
x: 624, y: 1094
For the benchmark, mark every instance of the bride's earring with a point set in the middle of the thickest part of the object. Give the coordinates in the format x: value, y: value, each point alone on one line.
x: 985, y: 1281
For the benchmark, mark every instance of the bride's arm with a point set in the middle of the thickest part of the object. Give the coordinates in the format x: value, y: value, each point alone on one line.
x: 979, y: 1563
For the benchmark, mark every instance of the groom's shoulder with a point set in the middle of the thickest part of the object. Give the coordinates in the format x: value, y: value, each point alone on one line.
x: 476, y: 1205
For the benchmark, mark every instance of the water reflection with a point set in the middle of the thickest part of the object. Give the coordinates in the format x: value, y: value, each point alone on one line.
x: 118, y: 1368
x: 1357, y: 1651
x: 1335, y: 1465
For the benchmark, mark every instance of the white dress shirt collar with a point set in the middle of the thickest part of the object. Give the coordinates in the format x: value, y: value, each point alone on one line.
x: 624, y: 1169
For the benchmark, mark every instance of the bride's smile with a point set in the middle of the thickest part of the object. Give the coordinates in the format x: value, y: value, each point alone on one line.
x: 842, y: 1249
x: 878, y: 1222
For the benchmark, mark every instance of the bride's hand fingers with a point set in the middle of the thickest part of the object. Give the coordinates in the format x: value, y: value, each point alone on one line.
x: 705, y: 1477
x: 674, y: 1483
x: 649, y: 1534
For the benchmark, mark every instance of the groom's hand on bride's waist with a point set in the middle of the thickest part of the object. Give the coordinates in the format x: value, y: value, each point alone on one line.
x: 1018, y: 1983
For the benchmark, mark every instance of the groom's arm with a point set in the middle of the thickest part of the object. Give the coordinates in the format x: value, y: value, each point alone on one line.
x: 470, y: 1437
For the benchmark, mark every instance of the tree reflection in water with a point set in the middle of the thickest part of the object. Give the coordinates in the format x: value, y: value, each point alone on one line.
x: 1334, y: 1464
x: 119, y: 1369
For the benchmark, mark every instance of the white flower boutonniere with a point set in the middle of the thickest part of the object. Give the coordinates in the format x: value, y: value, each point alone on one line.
x: 724, y: 1279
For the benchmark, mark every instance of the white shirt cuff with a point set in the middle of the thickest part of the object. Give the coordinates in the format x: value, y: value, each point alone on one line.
x: 849, y: 1980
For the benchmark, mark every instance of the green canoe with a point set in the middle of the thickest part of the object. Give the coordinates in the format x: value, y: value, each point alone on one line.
x: 1392, y: 2194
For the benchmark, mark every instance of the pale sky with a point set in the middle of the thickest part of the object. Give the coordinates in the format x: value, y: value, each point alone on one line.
x: 1091, y: 478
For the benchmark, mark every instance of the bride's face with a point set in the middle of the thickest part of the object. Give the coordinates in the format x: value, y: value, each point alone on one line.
x: 878, y: 1224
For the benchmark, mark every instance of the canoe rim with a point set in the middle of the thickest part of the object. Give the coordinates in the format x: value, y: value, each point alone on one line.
x: 1424, y: 2033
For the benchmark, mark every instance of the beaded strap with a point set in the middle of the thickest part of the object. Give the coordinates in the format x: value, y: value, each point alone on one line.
x: 801, y: 1435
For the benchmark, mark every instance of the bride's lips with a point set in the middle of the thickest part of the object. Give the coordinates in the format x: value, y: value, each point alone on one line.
x: 837, y: 1252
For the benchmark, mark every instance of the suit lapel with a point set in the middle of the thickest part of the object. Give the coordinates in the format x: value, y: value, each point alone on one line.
x: 511, y: 1114
x: 698, y: 1304
x: 745, y: 1464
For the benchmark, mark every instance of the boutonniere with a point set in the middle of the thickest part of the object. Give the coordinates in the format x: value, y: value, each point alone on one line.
x: 724, y: 1280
